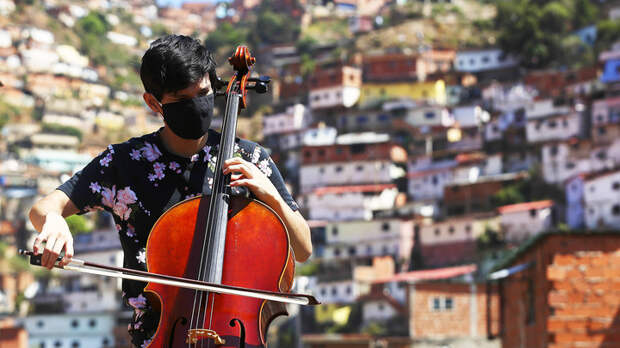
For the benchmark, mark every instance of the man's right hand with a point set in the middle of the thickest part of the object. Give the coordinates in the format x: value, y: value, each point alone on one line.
x: 56, y: 234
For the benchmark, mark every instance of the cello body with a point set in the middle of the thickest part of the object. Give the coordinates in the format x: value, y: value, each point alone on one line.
x: 257, y: 255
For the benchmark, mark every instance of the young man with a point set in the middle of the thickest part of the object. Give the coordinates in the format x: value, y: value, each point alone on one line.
x: 136, y: 181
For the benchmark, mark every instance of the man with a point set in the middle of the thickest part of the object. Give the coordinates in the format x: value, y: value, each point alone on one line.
x: 136, y: 181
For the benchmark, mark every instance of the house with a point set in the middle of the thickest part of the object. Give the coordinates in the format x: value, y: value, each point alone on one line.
x: 611, y: 61
x: 71, y: 330
x: 483, y: 60
x: 355, y: 159
x: 453, y: 240
x: 601, y: 201
x: 448, y: 306
x: 554, y: 127
x: 431, y: 91
x: 466, y: 197
x: 433, y: 115
x: 295, y: 118
x: 520, y: 221
x: 605, y: 119
x: 553, y: 83
x: 368, y: 239
x: 561, y: 288
x: 561, y: 161
x: 340, y: 203
x: 334, y: 86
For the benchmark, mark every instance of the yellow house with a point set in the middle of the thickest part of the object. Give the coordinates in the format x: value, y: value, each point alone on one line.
x: 432, y: 91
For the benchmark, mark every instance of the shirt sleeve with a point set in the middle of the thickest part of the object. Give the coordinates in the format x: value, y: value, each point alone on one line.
x: 264, y: 162
x: 88, y: 187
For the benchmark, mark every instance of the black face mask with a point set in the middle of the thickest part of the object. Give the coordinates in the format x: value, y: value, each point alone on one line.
x: 189, y: 118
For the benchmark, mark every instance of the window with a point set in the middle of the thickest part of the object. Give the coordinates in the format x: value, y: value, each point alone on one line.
x: 359, y: 168
x: 437, y: 232
x: 321, y: 170
x: 553, y: 150
x: 337, y: 252
x: 615, y: 186
x: 381, y: 307
x: 570, y: 165
x: 383, y: 118
x: 74, y: 323
x: 533, y: 213
x: 369, y: 249
x: 40, y: 324
x: 451, y: 230
x: 435, y: 180
x: 385, y: 226
x: 334, y: 231
x: 352, y: 251
x: 338, y: 169
x: 385, y: 250
x: 485, y: 59
x: 57, y: 344
x: 106, y: 341
x: 552, y: 124
x: 75, y: 344
x: 348, y: 290
x: 92, y: 323
x: 361, y: 119
x: 448, y: 303
x: 322, y: 152
x: 468, y: 229
x: 334, y: 291
x: 601, y: 130
x: 436, y: 304
x: 323, y: 292
x: 615, y: 209
x: 307, y: 154
x: 429, y: 115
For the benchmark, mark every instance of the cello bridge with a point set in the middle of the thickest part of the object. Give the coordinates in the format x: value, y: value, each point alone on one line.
x: 194, y: 335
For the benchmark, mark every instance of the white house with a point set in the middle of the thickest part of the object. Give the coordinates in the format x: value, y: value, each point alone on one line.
x: 335, y: 96
x: 378, y: 237
x: 558, y: 127
x: 339, y: 203
x: 295, y: 118
x: 71, y: 330
x: 474, y: 61
x: 523, y: 220
x: 429, y: 116
x: 544, y: 108
x: 601, y: 198
x: 346, y: 173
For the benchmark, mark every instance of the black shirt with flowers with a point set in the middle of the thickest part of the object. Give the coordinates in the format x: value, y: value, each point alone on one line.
x: 136, y: 181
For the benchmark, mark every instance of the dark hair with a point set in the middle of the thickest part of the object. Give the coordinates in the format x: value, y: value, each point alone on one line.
x: 173, y: 62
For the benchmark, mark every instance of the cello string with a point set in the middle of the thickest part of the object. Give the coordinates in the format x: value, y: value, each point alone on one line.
x: 217, y: 187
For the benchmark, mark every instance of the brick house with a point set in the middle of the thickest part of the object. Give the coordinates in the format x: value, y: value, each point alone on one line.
x: 562, y: 289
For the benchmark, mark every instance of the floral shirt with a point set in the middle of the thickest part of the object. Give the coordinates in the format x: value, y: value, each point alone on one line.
x: 136, y: 181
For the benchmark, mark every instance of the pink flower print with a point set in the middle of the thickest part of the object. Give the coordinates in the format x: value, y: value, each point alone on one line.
x: 150, y: 151
x: 159, y: 175
x: 194, y: 158
x: 95, y: 187
x: 109, y: 196
x: 131, y: 231
x: 126, y: 196
x: 174, y: 165
x: 151, y: 177
x: 137, y: 302
x: 122, y: 211
x: 146, y: 343
x: 111, y: 148
x: 118, y: 227
x: 159, y: 167
x: 264, y: 167
x: 135, y: 155
x: 106, y: 160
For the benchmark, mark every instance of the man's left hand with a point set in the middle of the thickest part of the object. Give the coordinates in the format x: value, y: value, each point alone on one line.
x: 244, y: 173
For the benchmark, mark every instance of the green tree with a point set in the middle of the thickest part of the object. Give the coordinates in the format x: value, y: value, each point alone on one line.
x: 60, y: 129
x: 78, y: 224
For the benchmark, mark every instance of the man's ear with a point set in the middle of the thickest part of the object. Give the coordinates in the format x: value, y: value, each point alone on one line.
x: 153, y: 103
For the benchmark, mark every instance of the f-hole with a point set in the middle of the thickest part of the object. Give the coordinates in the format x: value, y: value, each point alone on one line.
x: 183, y: 322
x: 241, y: 332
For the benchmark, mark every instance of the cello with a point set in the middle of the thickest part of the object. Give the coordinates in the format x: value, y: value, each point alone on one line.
x: 228, y: 258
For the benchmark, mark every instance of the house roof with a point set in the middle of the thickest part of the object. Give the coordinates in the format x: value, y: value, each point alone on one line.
x: 527, y: 245
x: 353, y: 188
x: 514, y: 208
x: 429, y: 274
